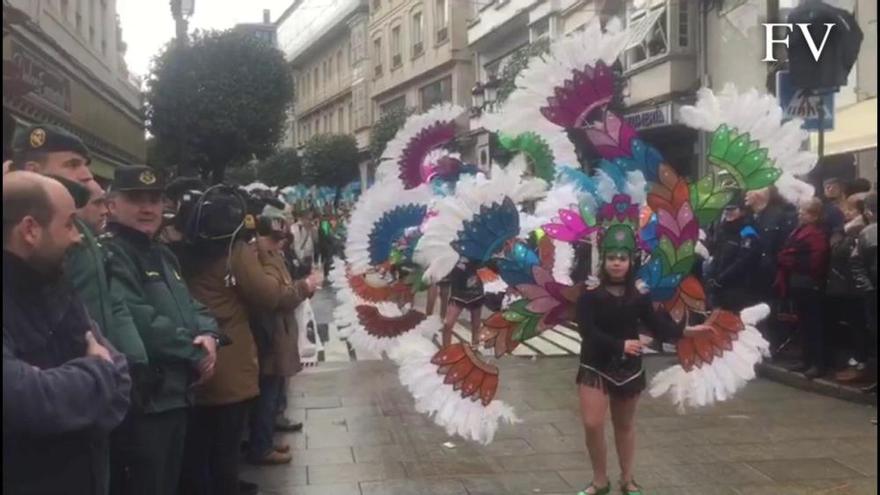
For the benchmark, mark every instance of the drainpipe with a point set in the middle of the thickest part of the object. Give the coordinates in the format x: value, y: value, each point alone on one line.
x: 705, y: 82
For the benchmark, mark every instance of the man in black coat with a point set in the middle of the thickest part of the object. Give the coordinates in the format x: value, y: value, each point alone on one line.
x: 734, y: 252
x: 64, y: 387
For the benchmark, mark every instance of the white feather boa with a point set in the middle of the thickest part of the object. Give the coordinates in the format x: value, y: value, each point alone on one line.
x: 444, y: 405
x: 434, y: 250
x: 372, y: 205
x: 761, y: 116
x: 726, y: 375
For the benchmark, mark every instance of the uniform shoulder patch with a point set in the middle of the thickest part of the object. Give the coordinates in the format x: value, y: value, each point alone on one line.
x: 748, y: 231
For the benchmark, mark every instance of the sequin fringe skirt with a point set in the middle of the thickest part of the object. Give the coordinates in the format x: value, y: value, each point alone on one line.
x: 592, y: 378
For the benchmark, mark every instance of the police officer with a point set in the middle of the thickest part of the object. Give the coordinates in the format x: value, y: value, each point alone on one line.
x: 51, y: 150
x: 64, y: 387
x: 178, y: 335
x: 735, y: 253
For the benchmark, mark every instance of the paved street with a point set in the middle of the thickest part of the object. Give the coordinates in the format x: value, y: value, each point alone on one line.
x: 362, y: 436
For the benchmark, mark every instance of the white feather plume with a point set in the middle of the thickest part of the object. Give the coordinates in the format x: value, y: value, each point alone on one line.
x: 726, y: 375
x: 372, y: 205
x: 434, y: 250
x: 521, y: 111
x: 560, y: 197
x: 761, y: 116
x: 388, y: 169
x: 563, y: 261
x: 364, y: 341
x: 444, y: 405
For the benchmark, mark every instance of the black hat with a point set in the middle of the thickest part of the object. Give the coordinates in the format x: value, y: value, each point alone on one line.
x: 79, y: 192
x: 736, y: 201
x: 136, y: 178
x: 180, y: 185
x: 47, y: 139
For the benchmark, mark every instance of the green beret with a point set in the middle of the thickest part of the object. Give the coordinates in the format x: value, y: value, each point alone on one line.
x: 48, y: 139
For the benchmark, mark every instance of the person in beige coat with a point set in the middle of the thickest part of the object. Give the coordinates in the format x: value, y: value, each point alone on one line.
x: 276, y: 334
x: 226, y: 275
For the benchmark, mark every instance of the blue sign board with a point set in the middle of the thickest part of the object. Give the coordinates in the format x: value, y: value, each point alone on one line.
x: 799, y: 103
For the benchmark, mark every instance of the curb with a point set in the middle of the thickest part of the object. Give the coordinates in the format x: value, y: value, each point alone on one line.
x: 819, y: 386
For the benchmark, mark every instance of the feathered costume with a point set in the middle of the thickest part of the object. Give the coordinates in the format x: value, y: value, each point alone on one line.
x: 425, y: 216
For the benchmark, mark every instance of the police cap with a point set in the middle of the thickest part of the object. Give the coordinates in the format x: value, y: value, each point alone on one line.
x: 136, y: 178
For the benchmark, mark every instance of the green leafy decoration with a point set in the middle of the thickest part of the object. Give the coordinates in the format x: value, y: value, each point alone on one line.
x: 536, y: 150
x: 744, y: 159
x: 708, y: 198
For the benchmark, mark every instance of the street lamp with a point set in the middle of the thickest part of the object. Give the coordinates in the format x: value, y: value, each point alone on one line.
x: 492, y: 90
x: 477, y: 98
x: 181, y: 10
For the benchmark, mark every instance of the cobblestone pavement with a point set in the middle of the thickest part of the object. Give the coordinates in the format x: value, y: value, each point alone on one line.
x: 362, y: 436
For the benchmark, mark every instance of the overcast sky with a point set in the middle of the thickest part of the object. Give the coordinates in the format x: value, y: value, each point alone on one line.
x: 147, y: 24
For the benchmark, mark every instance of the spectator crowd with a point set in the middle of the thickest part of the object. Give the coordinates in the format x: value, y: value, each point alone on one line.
x: 816, y: 263
x: 149, y: 332
x: 149, y: 329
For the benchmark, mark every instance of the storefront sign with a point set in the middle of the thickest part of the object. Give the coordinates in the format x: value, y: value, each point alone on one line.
x: 49, y: 85
x: 658, y: 116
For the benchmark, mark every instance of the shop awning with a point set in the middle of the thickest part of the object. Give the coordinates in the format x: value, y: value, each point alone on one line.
x: 855, y: 129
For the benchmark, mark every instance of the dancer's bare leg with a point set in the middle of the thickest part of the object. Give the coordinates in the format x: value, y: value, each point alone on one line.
x: 452, y: 314
x: 476, y: 322
x: 594, y: 406
x: 623, y: 417
x: 432, y: 300
x: 444, y: 297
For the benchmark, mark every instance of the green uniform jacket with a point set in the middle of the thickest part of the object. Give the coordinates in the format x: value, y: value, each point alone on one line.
x: 146, y: 275
x: 86, y: 269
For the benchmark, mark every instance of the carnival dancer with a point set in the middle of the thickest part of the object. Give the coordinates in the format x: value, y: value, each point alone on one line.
x: 611, y: 371
x: 466, y: 293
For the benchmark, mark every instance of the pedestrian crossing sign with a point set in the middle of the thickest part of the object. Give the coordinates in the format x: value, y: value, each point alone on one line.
x: 803, y: 104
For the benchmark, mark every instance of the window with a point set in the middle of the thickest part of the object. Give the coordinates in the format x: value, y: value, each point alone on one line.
x: 396, y: 104
x: 440, y: 13
x: 315, y: 79
x: 65, y: 9
x: 103, y: 47
x: 395, y: 47
x: 377, y: 4
x: 540, y: 29
x: 436, y: 93
x: 683, y: 25
x: 340, y: 117
x: 350, y: 116
x: 442, y: 20
x: 377, y: 56
x: 339, y: 64
x: 416, y: 30
x: 648, y: 36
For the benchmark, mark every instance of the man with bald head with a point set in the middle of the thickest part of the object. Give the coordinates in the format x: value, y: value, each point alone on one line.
x: 53, y: 151
x: 64, y: 386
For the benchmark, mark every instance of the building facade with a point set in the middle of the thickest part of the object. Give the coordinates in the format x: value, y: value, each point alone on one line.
x: 325, y: 44
x: 419, y: 54
x: 69, y: 53
x: 659, y: 61
x: 263, y: 31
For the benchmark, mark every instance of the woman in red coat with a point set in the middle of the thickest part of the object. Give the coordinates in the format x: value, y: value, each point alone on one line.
x: 801, y: 275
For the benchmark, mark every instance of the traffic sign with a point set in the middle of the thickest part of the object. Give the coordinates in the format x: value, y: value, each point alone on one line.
x: 800, y: 103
